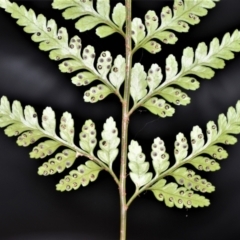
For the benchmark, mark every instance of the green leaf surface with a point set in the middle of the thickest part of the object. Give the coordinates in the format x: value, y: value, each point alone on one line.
x: 190, y: 180
x: 49, y: 121
x: 216, y: 152
x: 175, y: 95
x: 179, y: 197
x: 159, y: 107
x: 138, y: 30
x: 119, y: 15
x: 152, y: 47
x: 165, y: 37
x: 212, y: 131
x: 58, y: 164
x: 15, y: 129
x: 154, y: 77
x: 89, y: 17
x: 222, y: 134
x: 85, y: 174
x: 4, y: 3
x: 44, y: 149
x: 171, y: 67
x: 85, y: 5
x: 27, y: 125
x: 118, y: 72
x: 181, y: 148
x: 88, y: 138
x: 104, y: 63
x: 97, y: 93
x: 69, y: 66
x: 197, y: 139
x: 139, y: 168
x: 188, y: 83
x: 29, y: 131
x: 88, y: 56
x: 103, y: 7
x: 104, y: 31
x: 184, y: 13
x: 213, y: 57
x: 151, y: 22
x: 5, y: 106
x: 31, y: 117
x: 205, y: 164
x: 227, y: 125
x: 55, y: 40
x: 109, y: 142
x: 159, y: 156
x: 29, y: 137
x: 67, y: 127
x: 200, y: 63
x: 87, y: 23
x: 17, y: 110
x: 83, y: 78
x: 138, y: 85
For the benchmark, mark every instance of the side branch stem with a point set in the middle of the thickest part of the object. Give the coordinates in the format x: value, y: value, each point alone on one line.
x: 125, y: 122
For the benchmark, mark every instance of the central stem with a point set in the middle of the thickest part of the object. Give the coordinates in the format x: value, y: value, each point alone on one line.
x: 125, y: 121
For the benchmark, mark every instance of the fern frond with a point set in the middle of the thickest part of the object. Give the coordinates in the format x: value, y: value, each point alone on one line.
x: 190, y: 180
x: 184, y: 13
x: 30, y: 131
x: 86, y: 173
x: 205, y: 164
x: 139, y: 168
x: 4, y: 3
x: 138, y: 86
x: 44, y: 149
x: 179, y: 197
x: 88, y: 139
x: 159, y: 156
x: 201, y: 63
x: 90, y: 18
x: 223, y: 134
x: 61, y: 48
x: 227, y: 125
x: 159, y: 107
x: 109, y: 143
x: 59, y: 163
x: 24, y: 124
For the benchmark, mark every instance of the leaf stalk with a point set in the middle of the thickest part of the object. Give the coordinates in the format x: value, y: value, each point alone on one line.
x: 125, y: 121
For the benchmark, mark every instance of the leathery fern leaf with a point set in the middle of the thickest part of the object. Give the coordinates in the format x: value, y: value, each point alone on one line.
x: 90, y: 18
x: 159, y: 156
x: 73, y: 56
x: 139, y: 168
x: 58, y: 164
x: 203, y: 157
x: 109, y: 143
x: 29, y: 130
x: 201, y: 63
x: 227, y: 125
x: 86, y: 173
x: 190, y: 180
x: 159, y: 107
x: 179, y: 197
x: 88, y: 138
x: 138, y: 86
x: 24, y: 124
x: 184, y: 13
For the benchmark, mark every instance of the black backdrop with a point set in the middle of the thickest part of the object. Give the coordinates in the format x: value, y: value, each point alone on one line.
x: 31, y: 209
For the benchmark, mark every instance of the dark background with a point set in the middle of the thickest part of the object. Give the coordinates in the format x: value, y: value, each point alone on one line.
x: 31, y: 209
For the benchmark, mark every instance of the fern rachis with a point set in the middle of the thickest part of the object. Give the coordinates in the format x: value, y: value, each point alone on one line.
x: 155, y: 88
